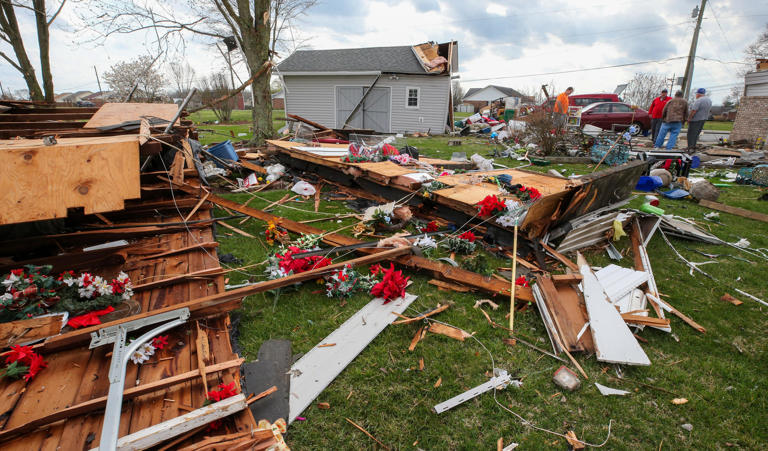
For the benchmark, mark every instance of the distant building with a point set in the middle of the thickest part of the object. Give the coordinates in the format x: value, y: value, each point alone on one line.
x: 278, y: 100
x: 752, y: 116
x: 481, y: 97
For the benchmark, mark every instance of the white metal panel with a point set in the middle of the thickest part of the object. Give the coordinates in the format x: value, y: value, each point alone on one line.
x: 312, y: 373
x: 614, y: 342
x: 619, y: 282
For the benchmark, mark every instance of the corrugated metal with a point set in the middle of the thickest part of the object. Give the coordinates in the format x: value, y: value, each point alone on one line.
x: 313, y: 97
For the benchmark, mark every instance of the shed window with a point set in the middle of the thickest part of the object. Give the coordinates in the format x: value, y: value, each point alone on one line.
x: 412, y: 97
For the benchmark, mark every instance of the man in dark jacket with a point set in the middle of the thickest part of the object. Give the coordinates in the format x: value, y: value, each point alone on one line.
x: 673, y: 115
x: 657, y: 106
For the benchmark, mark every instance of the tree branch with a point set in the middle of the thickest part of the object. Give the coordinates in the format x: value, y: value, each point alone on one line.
x: 56, y: 14
x: 13, y: 63
x: 264, y: 67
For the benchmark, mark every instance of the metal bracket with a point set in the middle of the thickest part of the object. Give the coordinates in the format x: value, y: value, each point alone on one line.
x: 501, y: 380
x: 109, y: 334
x: 120, y: 356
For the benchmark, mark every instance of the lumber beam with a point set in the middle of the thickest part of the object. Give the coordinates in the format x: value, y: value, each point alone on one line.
x: 743, y: 212
x: 101, y: 402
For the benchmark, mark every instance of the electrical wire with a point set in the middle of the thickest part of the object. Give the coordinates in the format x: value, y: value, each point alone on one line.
x: 523, y: 420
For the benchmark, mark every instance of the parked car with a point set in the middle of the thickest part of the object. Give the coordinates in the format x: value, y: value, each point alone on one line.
x: 615, y: 116
x: 84, y: 103
x: 582, y: 100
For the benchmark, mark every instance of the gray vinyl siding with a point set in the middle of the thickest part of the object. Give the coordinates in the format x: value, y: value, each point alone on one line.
x: 756, y: 83
x: 313, y: 97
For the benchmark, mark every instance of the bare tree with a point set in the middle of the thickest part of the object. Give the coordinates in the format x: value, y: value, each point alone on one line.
x: 216, y: 86
x: 183, y: 77
x: 643, y: 88
x: 123, y: 76
x: 10, y: 35
x: 457, y: 91
x: 249, y: 22
x: 283, y: 14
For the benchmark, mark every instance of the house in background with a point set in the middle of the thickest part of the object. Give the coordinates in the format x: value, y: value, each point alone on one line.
x: 751, y: 120
x: 386, y: 89
x: 278, y: 100
x: 481, y: 97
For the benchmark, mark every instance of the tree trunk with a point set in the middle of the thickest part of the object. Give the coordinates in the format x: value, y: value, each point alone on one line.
x: 10, y: 25
x: 43, y: 39
x: 255, y: 36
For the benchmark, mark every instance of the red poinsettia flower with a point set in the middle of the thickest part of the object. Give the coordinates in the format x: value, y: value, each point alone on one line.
x: 225, y: 391
x: 288, y: 261
x: 392, y: 286
x: 431, y: 227
x: 490, y: 205
x: 376, y: 269
x: 17, y: 272
x: 21, y: 354
x: 468, y: 236
x: 520, y: 281
x: 389, y: 150
x: 36, y: 364
x: 160, y: 342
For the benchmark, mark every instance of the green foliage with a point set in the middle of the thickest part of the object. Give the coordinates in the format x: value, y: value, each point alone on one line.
x: 14, y: 370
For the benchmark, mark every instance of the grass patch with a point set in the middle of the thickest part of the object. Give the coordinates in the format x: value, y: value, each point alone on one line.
x: 238, y: 129
x: 721, y: 372
x: 718, y: 125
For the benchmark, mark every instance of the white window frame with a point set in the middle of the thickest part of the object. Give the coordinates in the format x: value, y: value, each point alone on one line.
x: 418, y: 97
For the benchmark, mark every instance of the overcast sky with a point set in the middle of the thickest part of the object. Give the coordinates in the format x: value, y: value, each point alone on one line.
x: 514, y: 46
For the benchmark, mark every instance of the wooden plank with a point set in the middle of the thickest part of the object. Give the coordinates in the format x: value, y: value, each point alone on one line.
x: 26, y: 330
x: 166, y: 430
x: 307, y: 121
x: 44, y: 117
x: 449, y: 286
x: 560, y: 257
x: 743, y: 212
x: 448, y: 331
x: 614, y: 341
x: 41, y: 182
x: 645, y: 320
x: 311, y: 374
x: 434, y: 311
x: 101, y: 402
x: 566, y: 278
x: 569, y: 316
x: 117, y: 113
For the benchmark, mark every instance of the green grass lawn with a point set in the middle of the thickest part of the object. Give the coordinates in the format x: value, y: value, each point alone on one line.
x: 721, y: 373
x: 238, y: 129
x: 719, y: 125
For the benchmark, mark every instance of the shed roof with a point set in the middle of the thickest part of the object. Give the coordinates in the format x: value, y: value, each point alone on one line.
x: 398, y: 59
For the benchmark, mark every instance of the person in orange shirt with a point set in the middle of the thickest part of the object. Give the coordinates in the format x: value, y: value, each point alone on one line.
x: 561, y: 107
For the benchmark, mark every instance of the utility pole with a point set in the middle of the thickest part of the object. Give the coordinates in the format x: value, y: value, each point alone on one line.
x: 688, y: 76
x: 671, y: 85
x: 97, y: 79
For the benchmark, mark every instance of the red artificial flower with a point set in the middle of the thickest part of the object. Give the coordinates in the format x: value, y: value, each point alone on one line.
x: 376, y: 269
x: 520, y: 281
x: 389, y: 150
x: 160, y: 342
x: 392, y: 286
x: 289, y: 263
x: 490, y: 205
x: 469, y: 236
x: 224, y: 392
x: 89, y: 319
x: 533, y: 193
x: 17, y: 272
x: 36, y: 363
x: 21, y: 354
x: 431, y: 227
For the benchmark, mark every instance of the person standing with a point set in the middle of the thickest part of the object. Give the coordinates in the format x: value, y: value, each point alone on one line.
x: 673, y: 115
x: 561, y: 108
x: 698, y: 115
x: 655, y: 110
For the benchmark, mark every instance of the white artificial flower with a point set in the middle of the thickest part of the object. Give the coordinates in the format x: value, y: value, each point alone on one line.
x: 426, y: 242
x: 86, y: 292
x: 6, y: 297
x: 506, y: 220
x: 12, y: 279
x: 103, y: 287
x: 513, y: 205
x: 68, y: 281
x: 122, y: 277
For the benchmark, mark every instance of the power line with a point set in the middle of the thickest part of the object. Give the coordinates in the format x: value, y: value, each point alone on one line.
x: 578, y: 70
x: 714, y: 14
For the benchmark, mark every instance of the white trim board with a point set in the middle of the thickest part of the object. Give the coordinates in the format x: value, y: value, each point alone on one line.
x: 312, y: 373
x: 614, y: 342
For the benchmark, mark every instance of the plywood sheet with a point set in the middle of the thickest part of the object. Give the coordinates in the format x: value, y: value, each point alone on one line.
x: 117, y: 113
x: 41, y: 182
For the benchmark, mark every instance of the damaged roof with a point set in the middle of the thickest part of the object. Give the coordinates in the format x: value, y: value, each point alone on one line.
x: 397, y: 59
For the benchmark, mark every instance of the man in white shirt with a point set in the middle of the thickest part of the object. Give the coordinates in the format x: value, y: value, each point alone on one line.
x: 698, y: 115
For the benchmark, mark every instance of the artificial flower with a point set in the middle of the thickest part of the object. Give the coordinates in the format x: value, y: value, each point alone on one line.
x: 89, y: 319
x: 160, y: 342
x: 426, y: 242
x: 431, y: 227
x: 18, y: 353
x: 376, y: 269
x: 468, y: 236
x: 392, y: 286
x: 507, y: 220
x: 490, y: 205
x: 520, y: 281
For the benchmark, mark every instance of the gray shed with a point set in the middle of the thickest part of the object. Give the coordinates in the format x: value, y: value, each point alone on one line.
x: 386, y: 89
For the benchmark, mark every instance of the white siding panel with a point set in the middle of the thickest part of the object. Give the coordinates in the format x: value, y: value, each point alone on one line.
x: 313, y: 97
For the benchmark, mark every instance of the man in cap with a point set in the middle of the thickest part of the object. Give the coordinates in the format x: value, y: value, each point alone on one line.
x: 657, y: 106
x: 696, y: 118
x: 672, y: 117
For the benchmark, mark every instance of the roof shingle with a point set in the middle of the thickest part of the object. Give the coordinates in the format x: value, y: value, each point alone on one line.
x: 400, y: 60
